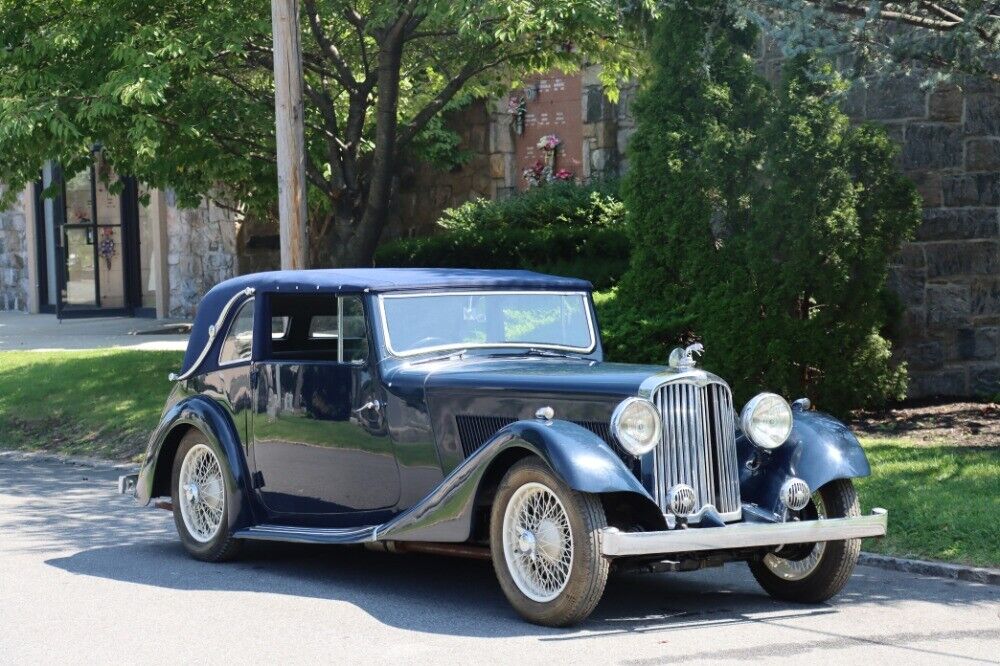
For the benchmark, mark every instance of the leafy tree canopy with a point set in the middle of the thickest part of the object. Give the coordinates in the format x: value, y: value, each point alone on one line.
x: 949, y: 37
x: 180, y: 93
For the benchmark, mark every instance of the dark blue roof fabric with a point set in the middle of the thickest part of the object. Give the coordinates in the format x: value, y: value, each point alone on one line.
x: 377, y: 280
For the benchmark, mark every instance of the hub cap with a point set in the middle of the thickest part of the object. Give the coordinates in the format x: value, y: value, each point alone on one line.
x: 537, y: 542
x: 203, y: 493
x: 800, y: 568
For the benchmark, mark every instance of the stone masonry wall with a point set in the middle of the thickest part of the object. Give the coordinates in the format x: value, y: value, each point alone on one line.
x: 201, y: 252
x: 13, y: 258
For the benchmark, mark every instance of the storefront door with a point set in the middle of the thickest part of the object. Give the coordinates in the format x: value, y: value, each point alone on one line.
x: 92, y: 245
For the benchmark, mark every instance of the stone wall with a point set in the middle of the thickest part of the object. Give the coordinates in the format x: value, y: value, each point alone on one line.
x: 13, y: 257
x: 201, y: 252
x: 949, y: 277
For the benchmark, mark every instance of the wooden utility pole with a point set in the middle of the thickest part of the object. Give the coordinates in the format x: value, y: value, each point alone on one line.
x: 290, y: 137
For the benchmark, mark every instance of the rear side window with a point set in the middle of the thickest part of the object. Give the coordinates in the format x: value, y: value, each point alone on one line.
x: 238, y: 342
x: 316, y: 327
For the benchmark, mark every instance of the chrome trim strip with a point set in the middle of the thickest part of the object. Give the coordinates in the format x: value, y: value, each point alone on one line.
x: 501, y: 345
x: 615, y: 543
x: 212, y: 331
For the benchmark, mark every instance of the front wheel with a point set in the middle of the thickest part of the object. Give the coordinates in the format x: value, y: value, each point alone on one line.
x: 545, y: 542
x: 814, y: 572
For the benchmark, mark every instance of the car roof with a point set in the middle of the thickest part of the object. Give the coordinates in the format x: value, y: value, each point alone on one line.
x: 347, y: 280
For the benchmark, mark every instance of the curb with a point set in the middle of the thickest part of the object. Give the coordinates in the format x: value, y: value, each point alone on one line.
x: 981, y: 575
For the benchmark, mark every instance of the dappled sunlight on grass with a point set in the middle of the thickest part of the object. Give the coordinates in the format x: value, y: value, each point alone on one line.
x: 101, y: 403
x: 943, y: 501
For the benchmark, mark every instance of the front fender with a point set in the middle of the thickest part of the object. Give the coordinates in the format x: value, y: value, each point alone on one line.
x: 581, y: 459
x: 820, y: 449
x: 208, y: 417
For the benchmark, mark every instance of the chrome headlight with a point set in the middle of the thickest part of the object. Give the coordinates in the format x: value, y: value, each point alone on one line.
x: 636, y: 424
x: 767, y: 420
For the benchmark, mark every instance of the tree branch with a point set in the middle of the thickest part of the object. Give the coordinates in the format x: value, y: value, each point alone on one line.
x: 329, y: 49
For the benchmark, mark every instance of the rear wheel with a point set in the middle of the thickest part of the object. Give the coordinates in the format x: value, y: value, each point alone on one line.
x: 816, y: 572
x: 545, y: 542
x: 201, y: 490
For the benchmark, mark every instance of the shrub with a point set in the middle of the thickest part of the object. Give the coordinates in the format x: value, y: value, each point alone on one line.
x: 763, y: 222
x: 560, y: 228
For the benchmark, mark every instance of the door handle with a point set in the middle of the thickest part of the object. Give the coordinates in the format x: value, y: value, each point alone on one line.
x: 371, y: 404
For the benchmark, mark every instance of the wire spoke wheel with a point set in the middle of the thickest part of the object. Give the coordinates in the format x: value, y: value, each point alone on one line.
x: 537, y: 542
x: 202, y: 493
x: 800, y: 568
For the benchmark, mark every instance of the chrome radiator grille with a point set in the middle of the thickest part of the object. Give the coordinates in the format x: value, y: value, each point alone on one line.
x: 698, y: 446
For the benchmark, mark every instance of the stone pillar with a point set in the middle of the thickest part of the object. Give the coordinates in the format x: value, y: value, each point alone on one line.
x: 14, y: 256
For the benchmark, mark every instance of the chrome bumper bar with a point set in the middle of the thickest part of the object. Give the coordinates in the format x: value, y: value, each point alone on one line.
x: 742, y: 535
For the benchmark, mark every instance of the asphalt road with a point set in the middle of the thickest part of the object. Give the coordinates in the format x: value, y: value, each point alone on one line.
x: 86, y: 576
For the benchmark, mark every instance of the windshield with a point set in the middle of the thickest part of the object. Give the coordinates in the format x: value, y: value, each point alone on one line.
x: 416, y: 323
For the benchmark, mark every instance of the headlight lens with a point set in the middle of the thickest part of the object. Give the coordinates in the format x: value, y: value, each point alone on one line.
x: 767, y: 420
x: 636, y: 424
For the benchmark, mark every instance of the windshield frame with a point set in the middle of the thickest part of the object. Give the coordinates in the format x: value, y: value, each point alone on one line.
x: 591, y: 328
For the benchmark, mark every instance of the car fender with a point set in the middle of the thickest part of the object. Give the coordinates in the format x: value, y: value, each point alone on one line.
x: 578, y: 457
x: 213, y: 421
x: 820, y: 449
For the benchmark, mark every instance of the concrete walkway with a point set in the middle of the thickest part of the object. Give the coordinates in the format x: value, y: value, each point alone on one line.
x: 42, y: 332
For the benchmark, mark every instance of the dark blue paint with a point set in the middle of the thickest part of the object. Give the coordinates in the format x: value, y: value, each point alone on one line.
x: 314, y: 454
x: 819, y: 450
x: 581, y: 459
x: 212, y: 420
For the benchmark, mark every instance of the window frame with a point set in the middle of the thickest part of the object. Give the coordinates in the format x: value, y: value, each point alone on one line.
x: 229, y: 329
x: 588, y: 306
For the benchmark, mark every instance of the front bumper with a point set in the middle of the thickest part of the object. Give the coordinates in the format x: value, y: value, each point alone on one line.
x: 742, y: 535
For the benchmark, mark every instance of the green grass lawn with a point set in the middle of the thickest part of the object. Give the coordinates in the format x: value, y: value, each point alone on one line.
x: 96, y: 403
x: 943, y: 501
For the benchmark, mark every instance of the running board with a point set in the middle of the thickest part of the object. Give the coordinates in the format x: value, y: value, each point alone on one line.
x: 328, y: 535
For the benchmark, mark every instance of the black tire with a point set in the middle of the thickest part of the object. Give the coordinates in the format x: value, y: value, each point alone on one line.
x: 838, y: 559
x: 588, y: 571
x: 222, y: 546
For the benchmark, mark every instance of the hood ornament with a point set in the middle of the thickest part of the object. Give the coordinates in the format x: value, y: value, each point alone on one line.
x: 682, y: 358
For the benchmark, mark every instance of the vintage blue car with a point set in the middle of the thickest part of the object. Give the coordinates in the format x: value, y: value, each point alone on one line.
x: 471, y: 412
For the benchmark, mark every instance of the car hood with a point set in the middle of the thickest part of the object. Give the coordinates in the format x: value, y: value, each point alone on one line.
x: 528, y: 376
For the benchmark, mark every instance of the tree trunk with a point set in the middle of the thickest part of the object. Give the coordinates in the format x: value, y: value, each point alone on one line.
x: 354, y: 237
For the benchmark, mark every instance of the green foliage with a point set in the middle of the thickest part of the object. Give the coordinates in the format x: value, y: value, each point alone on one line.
x: 559, y: 228
x: 180, y: 94
x: 763, y: 222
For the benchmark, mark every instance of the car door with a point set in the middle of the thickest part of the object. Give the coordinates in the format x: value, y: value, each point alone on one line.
x: 320, y: 445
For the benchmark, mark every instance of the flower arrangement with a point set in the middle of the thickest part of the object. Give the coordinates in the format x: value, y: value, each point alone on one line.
x: 107, y: 248
x: 540, y: 173
x: 548, y: 143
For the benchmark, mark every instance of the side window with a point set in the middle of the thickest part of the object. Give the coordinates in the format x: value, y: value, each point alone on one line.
x: 323, y: 326
x: 355, y: 333
x: 318, y: 327
x: 239, y: 339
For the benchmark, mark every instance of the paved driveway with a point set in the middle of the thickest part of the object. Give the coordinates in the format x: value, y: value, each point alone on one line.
x: 43, y: 332
x: 86, y: 577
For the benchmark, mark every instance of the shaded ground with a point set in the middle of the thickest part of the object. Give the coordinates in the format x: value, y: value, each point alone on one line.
x: 95, y: 578
x: 951, y: 424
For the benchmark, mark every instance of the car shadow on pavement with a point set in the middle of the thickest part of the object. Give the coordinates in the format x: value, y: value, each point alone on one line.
x: 453, y: 596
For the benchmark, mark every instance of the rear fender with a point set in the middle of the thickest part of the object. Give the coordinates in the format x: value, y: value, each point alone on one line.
x: 581, y: 459
x: 208, y: 417
x: 819, y: 450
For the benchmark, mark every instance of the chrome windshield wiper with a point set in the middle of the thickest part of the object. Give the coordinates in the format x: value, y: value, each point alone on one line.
x: 536, y: 351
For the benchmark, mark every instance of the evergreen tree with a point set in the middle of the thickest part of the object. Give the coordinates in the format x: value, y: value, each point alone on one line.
x: 763, y: 223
